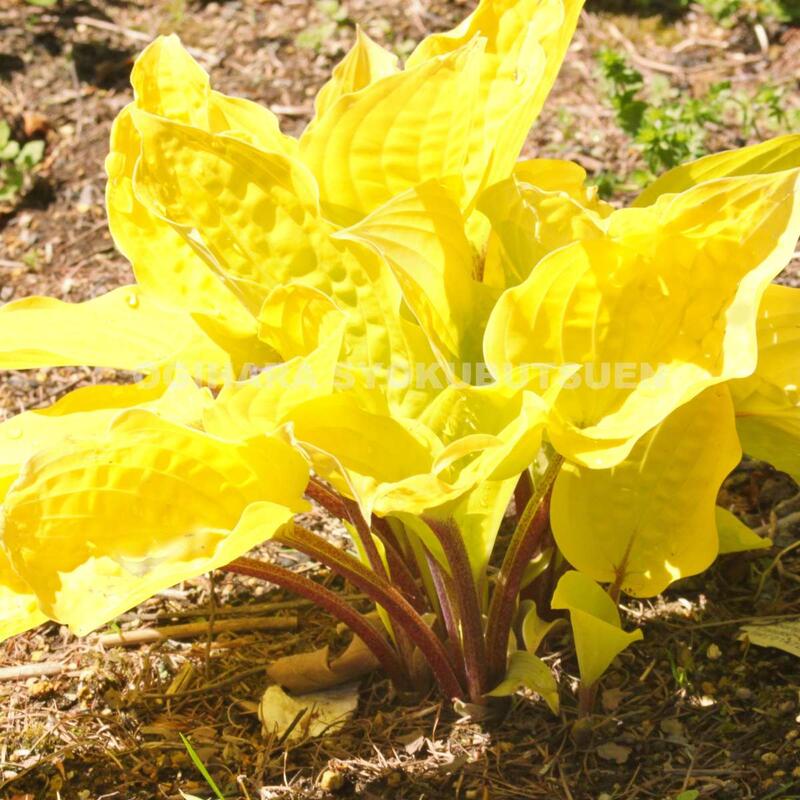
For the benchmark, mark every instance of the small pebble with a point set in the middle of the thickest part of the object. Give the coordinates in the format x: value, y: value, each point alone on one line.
x: 743, y: 693
x: 331, y: 780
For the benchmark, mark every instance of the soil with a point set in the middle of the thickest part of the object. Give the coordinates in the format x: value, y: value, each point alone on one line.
x: 692, y: 708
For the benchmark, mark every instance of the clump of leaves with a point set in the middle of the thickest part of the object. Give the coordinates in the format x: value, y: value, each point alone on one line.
x: 670, y: 128
x: 732, y: 12
x: 16, y: 163
x: 439, y: 334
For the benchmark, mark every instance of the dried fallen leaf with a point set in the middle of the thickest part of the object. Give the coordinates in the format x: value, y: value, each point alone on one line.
x: 611, y: 751
x: 784, y: 635
x: 315, y: 671
x: 308, y: 715
x: 611, y: 699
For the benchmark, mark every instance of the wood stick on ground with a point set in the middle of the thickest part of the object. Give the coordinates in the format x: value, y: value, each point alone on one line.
x: 193, y: 629
x: 40, y: 670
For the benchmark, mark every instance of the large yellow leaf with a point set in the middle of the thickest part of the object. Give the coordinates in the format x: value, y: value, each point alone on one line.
x: 421, y: 235
x: 654, y: 312
x: 169, y: 83
x: 253, y: 211
x: 651, y: 519
x: 529, y: 222
x: 125, y: 328
x: 526, y: 41
x: 403, y: 130
x: 19, y: 608
x: 365, y: 63
x: 774, y: 155
x: 257, y: 216
x: 98, y: 524
x: 596, y: 627
x: 768, y: 402
x: 88, y: 411
x: 165, y: 263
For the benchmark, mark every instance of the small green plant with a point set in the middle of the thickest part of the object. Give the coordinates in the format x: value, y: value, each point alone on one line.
x: 201, y: 768
x: 314, y: 36
x: 668, y: 128
x: 16, y: 162
x: 729, y: 13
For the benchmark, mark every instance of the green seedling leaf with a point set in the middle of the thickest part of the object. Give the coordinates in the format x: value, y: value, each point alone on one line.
x: 9, y: 151
x: 30, y: 154
x: 201, y: 767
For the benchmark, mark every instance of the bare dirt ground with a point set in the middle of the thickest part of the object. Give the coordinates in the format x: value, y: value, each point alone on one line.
x: 691, y: 708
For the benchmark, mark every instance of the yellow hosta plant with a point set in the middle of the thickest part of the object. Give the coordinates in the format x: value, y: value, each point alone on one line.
x: 395, y: 318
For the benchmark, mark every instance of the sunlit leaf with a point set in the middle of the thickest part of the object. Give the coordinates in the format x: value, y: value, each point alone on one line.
x: 526, y: 41
x: 735, y: 536
x: 656, y: 311
x: 403, y: 130
x: 650, y: 519
x: 774, y: 155
x: 596, y: 627
x: 526, y: 670
x: 529, y: 222
x: 365, y: 63
x: 97, y: 524
x: 125, y: 328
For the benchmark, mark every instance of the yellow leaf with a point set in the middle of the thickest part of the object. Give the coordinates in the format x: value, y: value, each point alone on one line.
x: 89, y: 411
x: 211, y: 186
x: 534, y: 628
x: 768, y: 402
x: 529, y: 222
x: 366, y: 63
x: 169, y: 83
x: 421, y: 235
x: 19, y: 608
x: 528, y: 671
x: 125, y: 328
x: 403, y: 130
x: 774, y: 155
x: 165, y: 263
x: 98, y: 524
x: 650, y: 519
x: 596, y: 627
x: 526, y: 41
x: 654, y: 312
x: 556, y: 175
x: 735, y: 536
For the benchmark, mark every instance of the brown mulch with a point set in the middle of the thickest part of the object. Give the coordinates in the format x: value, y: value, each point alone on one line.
x: 690, y: 708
